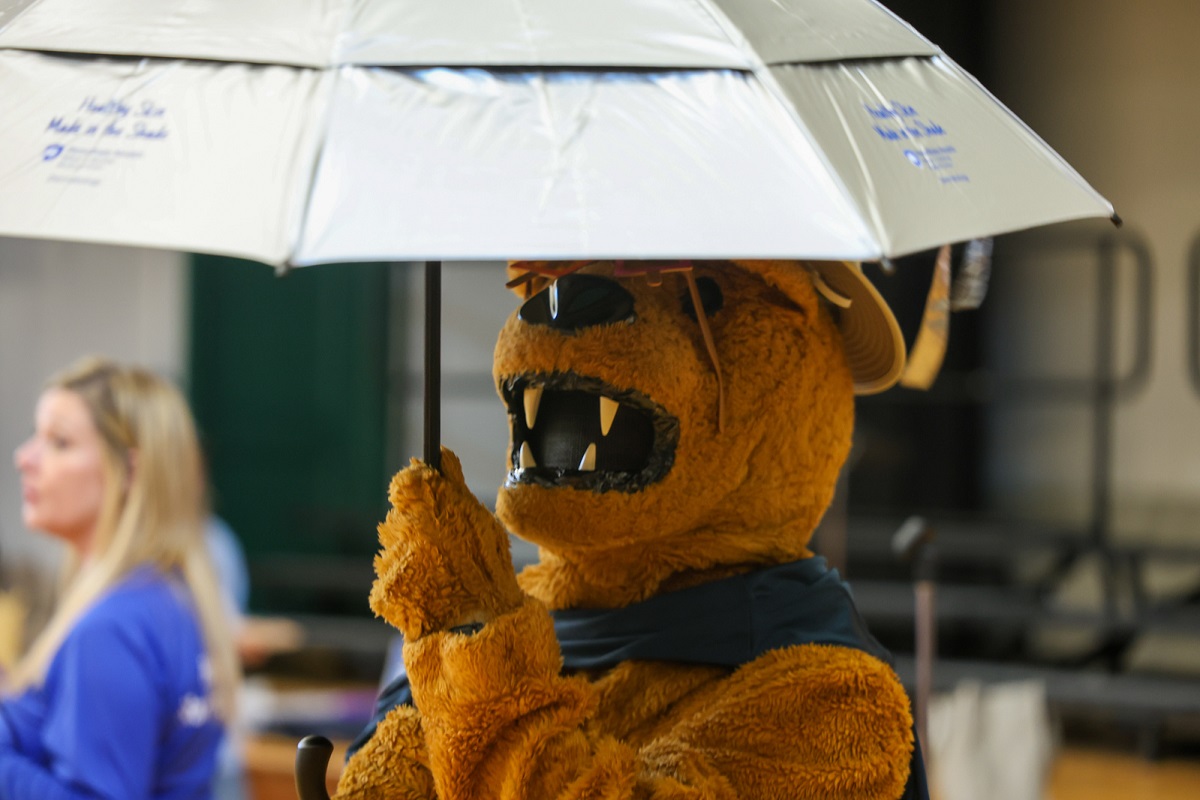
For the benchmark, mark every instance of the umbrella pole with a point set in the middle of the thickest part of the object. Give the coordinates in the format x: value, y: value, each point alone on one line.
x: 433, y: 364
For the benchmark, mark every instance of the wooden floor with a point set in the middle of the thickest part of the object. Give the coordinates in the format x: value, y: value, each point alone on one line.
x: 1081, y: 774
x: 1078, y: 774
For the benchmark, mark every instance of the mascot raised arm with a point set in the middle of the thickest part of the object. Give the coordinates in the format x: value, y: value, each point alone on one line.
x: 676, y: 433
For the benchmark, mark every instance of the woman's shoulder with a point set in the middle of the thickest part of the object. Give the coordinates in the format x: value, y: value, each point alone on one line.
x: 143, y: 623
x: 143, y: 591
x: 145, y: 606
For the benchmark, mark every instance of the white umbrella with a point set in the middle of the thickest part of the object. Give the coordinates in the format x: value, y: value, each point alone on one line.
x: 298, y: 132
x: 314, y: 131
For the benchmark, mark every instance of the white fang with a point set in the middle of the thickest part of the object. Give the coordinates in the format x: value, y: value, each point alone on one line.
x: 533, y: 398
x: 588, y: 462
x: 608, y: 410
x: 527, y: 456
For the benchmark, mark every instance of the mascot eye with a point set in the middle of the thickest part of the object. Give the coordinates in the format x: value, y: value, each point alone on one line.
x: 711, y: 298
x: 576, y: 302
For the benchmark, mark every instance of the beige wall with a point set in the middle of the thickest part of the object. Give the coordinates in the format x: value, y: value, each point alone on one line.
x: 475, y: 305
x: 1115, y: 88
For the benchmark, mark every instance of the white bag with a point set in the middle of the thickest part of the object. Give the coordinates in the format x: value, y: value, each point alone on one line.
x: 990, y: 742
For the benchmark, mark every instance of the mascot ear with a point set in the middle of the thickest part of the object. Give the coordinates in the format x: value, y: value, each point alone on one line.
x: 521, y: 279
x: 871, y: 336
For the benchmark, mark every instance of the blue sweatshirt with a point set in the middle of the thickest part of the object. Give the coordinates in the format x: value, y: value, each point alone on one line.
x: 124, y: 712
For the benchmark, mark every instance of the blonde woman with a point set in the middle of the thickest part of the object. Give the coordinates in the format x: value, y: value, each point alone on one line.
x: 123, y: 694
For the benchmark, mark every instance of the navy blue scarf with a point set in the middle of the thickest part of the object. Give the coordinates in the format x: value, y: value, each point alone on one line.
x: 726, y: 623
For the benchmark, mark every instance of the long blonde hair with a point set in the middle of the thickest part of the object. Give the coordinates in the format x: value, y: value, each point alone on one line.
x: 153, y: 512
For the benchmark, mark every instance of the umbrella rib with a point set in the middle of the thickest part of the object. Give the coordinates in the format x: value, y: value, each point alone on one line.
x: 762, y: 72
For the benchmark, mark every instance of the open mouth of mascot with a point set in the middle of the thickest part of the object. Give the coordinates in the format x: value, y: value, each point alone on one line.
x: 578, y: 431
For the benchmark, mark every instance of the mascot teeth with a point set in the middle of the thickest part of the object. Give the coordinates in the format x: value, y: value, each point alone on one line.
x: 527, y: 456
x: 572, y: 430
x: 533, y: 396
x: 608, y: 411
x: 588, y: 462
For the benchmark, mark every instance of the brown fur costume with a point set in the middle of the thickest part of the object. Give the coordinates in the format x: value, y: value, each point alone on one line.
x: 497, y: 719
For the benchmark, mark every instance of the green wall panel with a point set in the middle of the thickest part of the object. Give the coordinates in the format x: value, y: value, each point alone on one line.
x: 288, y: 378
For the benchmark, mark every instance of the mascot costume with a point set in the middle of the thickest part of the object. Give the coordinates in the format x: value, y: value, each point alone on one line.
x: 677, y: 430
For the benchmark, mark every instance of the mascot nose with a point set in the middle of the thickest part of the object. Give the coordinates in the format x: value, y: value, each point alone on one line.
x: 574, y: 302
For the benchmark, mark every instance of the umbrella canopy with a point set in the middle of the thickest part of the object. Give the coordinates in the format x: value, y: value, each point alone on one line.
x: 314, y: 131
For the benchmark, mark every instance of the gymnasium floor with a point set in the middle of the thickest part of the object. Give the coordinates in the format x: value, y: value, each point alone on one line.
x: 1101, y: 774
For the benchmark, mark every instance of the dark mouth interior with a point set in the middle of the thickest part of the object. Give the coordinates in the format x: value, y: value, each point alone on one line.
x: 586, y: 434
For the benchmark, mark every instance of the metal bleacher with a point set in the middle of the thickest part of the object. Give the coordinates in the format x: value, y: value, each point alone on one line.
x: 996, y: 580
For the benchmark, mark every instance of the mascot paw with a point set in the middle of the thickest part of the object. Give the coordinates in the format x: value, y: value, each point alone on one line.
x: 445, y: 561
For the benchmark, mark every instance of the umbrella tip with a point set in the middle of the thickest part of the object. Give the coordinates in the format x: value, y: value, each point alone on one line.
x: 1116, y: 220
